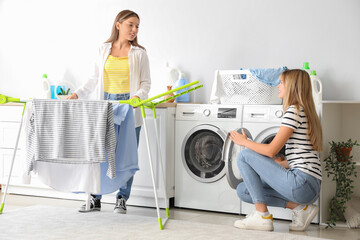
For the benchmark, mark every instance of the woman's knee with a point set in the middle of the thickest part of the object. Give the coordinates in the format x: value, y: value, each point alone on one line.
x: 243, y: 193
x: 306, y: 193
x: 243, y: 155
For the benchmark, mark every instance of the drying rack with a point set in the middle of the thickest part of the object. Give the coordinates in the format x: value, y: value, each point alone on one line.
x: 134, y: 102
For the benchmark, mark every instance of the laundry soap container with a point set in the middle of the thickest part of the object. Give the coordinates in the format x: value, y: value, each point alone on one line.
x: 46, y: 87
x: 171, y: 75
x: 179, y: 83
x: 316, y: 86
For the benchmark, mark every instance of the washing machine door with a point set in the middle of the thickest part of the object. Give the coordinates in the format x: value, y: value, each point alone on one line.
x: 230, y: 153
x: 267, y: 136
x: 202, y: 153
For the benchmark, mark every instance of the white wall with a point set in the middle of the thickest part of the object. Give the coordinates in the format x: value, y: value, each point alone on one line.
x: 60, y: 38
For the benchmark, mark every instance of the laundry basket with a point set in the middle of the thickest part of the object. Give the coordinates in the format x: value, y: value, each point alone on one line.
x: 241, y: 87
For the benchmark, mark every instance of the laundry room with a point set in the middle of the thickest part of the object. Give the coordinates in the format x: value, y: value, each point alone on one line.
x: 187, y: 169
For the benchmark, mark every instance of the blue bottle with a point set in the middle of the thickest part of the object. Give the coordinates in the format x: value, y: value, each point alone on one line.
x: 179, y: 83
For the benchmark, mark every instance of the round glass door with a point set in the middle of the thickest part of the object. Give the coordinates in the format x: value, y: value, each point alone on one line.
x: 268, y: 139
x: 231, y: 151
x: 202, y: 153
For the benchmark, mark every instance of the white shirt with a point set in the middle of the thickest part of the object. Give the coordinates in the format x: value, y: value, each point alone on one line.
x: 140, y: 81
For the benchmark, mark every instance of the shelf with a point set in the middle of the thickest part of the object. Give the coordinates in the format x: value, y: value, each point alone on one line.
x: 340, y: 101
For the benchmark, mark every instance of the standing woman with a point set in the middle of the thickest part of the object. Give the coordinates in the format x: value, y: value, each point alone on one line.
x: 121, y: 72
x: 293, y: 182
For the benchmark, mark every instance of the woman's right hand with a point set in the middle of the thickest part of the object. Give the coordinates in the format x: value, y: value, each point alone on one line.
x: 282, y: 162
x: 73, y: 96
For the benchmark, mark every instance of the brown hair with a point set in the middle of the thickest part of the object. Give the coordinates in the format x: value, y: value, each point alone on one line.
x: 122, y: 16
x: 299, y: 93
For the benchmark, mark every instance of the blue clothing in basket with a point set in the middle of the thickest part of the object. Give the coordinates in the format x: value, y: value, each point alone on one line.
x: 126, y: 155
x: 269, y: 76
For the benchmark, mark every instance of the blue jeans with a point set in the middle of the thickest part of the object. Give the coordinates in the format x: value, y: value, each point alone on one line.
x: 267, y: 182
x: 124, y: 192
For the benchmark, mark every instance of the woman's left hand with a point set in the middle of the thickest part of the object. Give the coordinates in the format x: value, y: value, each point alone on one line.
x: 135, y: 97
x: 238, y: 138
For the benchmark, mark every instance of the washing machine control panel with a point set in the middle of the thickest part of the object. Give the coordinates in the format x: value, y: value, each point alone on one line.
x: 226, y: 113
x: 209, y: 112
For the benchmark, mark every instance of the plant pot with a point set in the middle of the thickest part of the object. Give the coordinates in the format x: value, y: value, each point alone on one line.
x: 343, y: 153
x: 62, y: 96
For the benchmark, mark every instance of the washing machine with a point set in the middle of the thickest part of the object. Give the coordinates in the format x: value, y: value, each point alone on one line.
x: 261, y: 124
x: 200, y: 133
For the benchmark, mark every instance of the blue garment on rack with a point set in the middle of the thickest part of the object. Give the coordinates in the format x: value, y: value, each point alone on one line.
x: 269, y: 76
x: 126, y: 155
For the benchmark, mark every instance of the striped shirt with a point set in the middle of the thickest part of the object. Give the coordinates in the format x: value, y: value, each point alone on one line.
x: 76, y: 132
x: 299, y: 151
x: 117, y: 75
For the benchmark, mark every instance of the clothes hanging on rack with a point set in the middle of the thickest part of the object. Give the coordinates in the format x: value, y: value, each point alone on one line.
x: 71, y: 132
x: 126, y: 155
x: 92, y: 177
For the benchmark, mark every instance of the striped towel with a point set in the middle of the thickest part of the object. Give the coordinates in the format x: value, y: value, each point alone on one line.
x: 76, y: 131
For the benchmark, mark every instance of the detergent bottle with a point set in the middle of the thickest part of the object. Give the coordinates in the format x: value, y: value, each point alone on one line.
x: 306, y: 67
x: 179, y: 83
x: 46, y: 87
x: 171, y: 75
x: 316, y: 86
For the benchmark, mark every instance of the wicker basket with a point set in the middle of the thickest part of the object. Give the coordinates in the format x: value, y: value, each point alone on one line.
x: 241, y: 87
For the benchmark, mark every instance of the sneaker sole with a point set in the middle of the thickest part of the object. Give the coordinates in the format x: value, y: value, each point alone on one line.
x: 90, y: 210
x: 260, y: 228
x: 310, y: 218
x: 119, y: 211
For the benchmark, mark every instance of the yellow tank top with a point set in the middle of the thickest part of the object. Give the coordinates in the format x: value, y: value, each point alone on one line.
x: 117, y: 75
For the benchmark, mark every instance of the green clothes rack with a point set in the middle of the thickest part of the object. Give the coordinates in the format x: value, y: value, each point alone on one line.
x: 135, y: 102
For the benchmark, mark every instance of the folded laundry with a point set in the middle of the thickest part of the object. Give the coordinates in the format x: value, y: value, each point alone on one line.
x: 269, y: 76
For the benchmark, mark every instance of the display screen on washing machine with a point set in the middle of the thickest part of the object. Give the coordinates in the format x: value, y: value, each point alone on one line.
x: 226, y: 113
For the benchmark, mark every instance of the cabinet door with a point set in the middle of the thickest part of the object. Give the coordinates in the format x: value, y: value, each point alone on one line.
x: 142, y: 190
x: 6, y: 156
x: 9, y: 134
x: 142, y: 180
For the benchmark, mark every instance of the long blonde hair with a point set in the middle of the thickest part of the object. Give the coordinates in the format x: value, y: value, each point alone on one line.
x: 122, y: 16
x: 299, y: 93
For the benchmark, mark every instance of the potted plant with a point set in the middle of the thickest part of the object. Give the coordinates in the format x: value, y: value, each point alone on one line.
x: 63, y: 94
x: 339, y: 164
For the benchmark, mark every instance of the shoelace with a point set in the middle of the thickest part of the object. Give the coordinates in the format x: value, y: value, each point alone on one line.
x: 121, y: 203
x: 92, y: 202
x: 295, y: 219
x: 250, y: 214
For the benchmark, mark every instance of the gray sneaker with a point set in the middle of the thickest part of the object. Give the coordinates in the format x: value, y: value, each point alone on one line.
x: 95, y: 205
x: 120, y: 206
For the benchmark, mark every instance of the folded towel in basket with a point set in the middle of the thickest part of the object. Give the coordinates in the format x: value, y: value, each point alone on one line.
x: 269, y: 76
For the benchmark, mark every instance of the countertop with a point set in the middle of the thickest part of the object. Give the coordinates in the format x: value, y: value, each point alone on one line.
x: 162, y: 105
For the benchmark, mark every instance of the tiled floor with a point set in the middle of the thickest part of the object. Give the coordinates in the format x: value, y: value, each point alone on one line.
x: 19, y: 201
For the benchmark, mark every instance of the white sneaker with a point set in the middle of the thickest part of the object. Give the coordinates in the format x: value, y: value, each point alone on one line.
x: 301, y: 219
x: 255, y: 221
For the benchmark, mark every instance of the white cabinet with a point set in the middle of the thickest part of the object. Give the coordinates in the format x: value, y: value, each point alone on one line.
x: 10, y: 117
x: 142, y: 190
x: 340, y: 121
